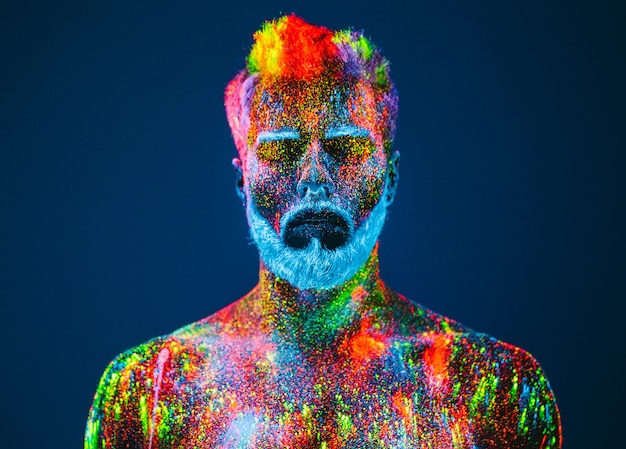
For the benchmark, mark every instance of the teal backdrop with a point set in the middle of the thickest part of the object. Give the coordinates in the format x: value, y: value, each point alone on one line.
x: 119, y: 219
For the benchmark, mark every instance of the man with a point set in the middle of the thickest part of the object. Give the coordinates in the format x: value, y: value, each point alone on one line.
x: 321, y: 353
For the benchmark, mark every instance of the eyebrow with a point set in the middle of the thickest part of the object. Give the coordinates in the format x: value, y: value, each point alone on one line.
x: 283, y: 134
x: 349, y: 130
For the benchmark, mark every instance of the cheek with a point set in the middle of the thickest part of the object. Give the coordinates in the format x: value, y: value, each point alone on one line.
x: 362, y: 185
x: 373, y: 191
x: 272, y: 193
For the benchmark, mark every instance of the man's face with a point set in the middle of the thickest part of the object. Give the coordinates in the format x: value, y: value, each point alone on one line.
x: 314, y: 173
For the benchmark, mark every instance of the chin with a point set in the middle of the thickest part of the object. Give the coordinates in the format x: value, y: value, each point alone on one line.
x: 315, y: 266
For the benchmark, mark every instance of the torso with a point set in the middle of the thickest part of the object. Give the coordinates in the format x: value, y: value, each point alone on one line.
x: 426, y: 382
x: 251, y: 393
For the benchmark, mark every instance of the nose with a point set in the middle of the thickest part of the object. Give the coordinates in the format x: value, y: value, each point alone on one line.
x: 315, y: 181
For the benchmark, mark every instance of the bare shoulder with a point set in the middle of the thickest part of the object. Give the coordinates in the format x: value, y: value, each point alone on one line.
x: 507, y: 393
x: 197, y: 337
x: 459, y: 344
x: 503, y: 389
x: 130, y: 371
x: 499, y: 387
x: 194, y: 345
x: 138, y: 379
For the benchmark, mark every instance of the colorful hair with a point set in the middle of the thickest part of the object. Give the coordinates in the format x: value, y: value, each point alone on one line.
x: 290, y: 50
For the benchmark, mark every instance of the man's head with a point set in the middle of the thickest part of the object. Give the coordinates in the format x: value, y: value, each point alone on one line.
x: 313, y: 117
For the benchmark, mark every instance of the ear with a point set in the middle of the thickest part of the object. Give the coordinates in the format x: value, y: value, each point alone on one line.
x: 392, y: 176
x: 239, y: 179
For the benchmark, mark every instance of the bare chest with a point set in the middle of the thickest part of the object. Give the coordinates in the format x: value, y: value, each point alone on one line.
x: 282, y: 401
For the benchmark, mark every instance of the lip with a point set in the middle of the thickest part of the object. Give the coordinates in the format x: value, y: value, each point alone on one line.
x: 327, y: 225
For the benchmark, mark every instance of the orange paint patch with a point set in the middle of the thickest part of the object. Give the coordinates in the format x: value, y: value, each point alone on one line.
x: 358, y: 294
x: 400, y: 404
x: 403, y: 407
x: 436, y: 358
x: 367, y: 344
x: 365, y: 348
x: 233, y: 405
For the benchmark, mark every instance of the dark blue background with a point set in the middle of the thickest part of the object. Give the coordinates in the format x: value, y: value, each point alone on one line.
x: 119, y: 219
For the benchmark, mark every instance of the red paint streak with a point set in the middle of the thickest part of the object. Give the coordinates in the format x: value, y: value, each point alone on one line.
x: 437, y: 357
x: 402, y: 408
x: 461, y: 428
x: 277, y: 223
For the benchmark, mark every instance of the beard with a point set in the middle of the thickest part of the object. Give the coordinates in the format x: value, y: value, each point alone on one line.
x: 314, y: 265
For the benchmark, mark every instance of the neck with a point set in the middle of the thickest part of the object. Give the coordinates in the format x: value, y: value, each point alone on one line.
x: 317, y: 317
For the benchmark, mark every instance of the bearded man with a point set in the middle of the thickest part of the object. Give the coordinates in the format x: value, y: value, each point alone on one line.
x: 321, y: 353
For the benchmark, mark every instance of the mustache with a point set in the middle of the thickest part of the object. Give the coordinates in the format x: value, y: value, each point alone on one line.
x: 314, y: 266
x: 322, y: 221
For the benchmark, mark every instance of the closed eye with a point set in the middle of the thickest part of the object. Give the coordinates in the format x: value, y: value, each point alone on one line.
x: 348, y: 147
x: 280, y: 150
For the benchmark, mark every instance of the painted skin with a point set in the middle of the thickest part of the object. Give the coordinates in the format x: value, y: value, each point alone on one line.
x: 318, y: 137
x: 353, y: 366
x: 364, y: 368
x: 314, y: 148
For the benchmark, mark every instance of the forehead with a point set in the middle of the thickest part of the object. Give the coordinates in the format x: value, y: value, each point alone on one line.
x: 312, y: 106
